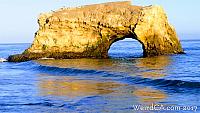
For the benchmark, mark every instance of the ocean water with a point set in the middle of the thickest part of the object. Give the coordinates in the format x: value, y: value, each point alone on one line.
x: 115, y: 85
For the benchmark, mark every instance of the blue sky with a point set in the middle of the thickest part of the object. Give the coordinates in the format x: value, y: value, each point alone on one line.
x: 18, y: 20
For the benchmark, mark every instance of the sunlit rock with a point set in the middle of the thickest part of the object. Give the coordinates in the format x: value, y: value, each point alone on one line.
x: 89, y: 31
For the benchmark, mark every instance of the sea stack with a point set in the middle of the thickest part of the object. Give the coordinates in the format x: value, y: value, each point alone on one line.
x: 89, y: 31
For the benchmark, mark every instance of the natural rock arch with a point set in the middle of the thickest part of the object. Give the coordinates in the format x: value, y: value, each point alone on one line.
x: 129, y: 36
x: 88, y: 31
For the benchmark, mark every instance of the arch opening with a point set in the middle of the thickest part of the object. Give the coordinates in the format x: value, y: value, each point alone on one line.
x: 126, y: 48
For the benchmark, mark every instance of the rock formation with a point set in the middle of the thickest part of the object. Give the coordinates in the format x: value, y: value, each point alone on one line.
x: 89, y: 31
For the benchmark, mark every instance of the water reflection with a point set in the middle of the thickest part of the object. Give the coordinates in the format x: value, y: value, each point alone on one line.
x: 114, y: 65
x: 153, y: 67
x: 72, y: 87
x: 154, y: 63
x: 149, y: 95
x: 96, y: 64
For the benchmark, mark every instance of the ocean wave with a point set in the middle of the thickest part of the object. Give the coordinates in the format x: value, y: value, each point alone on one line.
x: 121, y: 76
x: 76, y: 72
x: 3, y: 60
x: 58, y: 70
x: 29, y: 104
x: 164, y: 82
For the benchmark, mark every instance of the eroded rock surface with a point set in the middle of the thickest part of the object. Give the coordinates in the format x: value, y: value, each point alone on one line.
x: 89, y: 31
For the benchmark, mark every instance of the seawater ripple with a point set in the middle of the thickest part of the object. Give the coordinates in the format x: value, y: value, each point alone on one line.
x: 29, y: 104
x: 100, y: 85
x: 120, y: 76
x: 163, y: 82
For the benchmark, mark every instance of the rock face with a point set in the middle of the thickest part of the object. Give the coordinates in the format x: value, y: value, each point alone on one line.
x: 89, y: 31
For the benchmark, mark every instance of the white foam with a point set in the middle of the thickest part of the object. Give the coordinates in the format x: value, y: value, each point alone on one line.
x: 3, y: 60
x: 46, y: 58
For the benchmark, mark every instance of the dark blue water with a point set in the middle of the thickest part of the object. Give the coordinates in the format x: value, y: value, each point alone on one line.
x: 112, y: 85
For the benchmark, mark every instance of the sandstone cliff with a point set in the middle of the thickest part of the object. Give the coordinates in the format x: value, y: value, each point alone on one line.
x: 89, y: 31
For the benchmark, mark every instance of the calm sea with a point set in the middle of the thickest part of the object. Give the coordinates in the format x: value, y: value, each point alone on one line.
x: 114, y: 85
